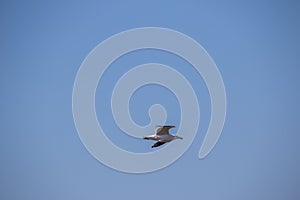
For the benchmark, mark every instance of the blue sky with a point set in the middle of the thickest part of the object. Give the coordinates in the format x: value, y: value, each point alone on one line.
x: 255, y: 46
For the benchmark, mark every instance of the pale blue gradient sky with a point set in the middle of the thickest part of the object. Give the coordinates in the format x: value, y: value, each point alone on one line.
x: 256, y: 47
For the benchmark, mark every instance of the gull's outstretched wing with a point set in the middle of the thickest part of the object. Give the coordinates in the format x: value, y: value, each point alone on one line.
x: 163, y: 130
x: 158, y: 144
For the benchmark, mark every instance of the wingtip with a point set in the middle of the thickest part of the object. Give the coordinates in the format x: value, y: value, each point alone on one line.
x: 165, y: 126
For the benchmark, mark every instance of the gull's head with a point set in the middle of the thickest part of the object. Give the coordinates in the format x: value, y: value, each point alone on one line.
x: 177, y: 137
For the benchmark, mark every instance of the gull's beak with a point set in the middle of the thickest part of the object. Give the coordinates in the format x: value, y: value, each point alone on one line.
x: 179, y: 137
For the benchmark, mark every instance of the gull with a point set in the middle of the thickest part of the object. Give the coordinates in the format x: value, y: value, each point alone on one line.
x: 162, y: 136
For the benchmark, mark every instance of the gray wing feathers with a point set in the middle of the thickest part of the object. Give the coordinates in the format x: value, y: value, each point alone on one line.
x: 163, y: 130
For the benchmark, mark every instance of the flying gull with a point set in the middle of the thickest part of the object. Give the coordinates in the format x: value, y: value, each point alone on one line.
x: 162, y: 136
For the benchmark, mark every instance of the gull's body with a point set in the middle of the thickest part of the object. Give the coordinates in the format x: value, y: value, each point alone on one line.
x: 162, y: 136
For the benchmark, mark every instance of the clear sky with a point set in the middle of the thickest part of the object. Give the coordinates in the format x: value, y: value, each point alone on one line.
x: 255, y: 45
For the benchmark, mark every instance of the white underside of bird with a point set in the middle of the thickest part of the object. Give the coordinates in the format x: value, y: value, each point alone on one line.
x: 162, y: 136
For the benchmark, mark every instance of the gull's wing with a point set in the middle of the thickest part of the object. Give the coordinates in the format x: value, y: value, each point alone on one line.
x: 163, y: 130
x: 158, y: 144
